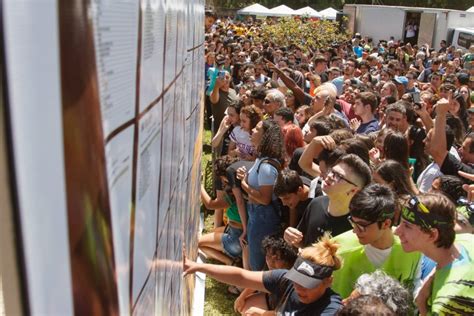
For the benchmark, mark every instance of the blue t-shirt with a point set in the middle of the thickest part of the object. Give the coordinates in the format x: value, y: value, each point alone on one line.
x: 288, y: 302
x: 358, y: 51
x: 266, y: 175
x: 369, y: 127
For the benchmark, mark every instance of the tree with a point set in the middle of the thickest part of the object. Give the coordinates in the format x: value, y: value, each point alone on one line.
x: 302, y: 32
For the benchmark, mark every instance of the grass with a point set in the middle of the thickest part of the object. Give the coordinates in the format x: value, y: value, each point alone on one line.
x: 217, y: 300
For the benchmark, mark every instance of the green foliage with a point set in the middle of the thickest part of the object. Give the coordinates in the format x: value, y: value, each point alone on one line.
x: 338, y: 4
x: 313, y: 34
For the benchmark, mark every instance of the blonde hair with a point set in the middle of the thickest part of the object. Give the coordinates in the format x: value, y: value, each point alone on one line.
x: 323, y: 252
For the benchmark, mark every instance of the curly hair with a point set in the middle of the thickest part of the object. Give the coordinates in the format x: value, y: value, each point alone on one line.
x: 366, y: 305
x: 222, y: 163
x: 275, y: 244
x: 271, y: 145
x: 389, y: 290
x: 253, y: 113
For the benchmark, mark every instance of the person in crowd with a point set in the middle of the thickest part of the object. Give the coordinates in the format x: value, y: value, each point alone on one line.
x: 263, y: 216
x: 448, y: 163
x: 221, y: 97
x: 284, y: 116
x: 395, y: 296
x: 222, y: 244
x: 302, y: 115
x: 371, y: 244
x: 272, y: 102
x: 329, y: 213
x: 366, y: 305
x: 364, y: 107
x: 294, y: 195
x: 305, y: 289
x: 278, y: 255
x: 427, y: 226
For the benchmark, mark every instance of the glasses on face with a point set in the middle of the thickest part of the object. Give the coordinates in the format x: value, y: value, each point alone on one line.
x: 266, y: 101
x: 359, y: 226
x: 338, y: 177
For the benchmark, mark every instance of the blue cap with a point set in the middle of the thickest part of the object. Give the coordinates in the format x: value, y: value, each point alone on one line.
x: 401, y: 80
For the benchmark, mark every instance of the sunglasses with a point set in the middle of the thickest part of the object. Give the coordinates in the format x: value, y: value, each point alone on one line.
x: 266, y: 101
x: 359, y: 226
x: 338, y: 177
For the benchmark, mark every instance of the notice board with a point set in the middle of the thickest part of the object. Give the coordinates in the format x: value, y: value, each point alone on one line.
x: 105, y: 108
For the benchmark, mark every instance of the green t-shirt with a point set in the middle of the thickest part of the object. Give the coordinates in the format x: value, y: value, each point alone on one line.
x: 400, y: 265
x: 232, y: 211
x: 453, y: 285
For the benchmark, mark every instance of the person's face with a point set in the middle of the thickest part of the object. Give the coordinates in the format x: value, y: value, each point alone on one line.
x: 339, y: 180
x: 317, y: 103
x: 257, y: 134
x: 457, y: 62
x: 412, y: 238
x: 307, y: 296
x: 466, y: 156
x: 227, y: 61
x: 367, y: 232
x: 258, y: 70
x: 396, y: 120
x: 270, y: 106
x: 386, y: 91
x: 471, y: 119
x: 454, y: 107
x: 279, y: 120
x: 245, y: 122
x: 290, y: 99
x: 359, y: 108
x: 291, y: 60
x: 435, y: 81
x: 290, y: 199
x: 363, y: 70
x: 434, y: 67
x: 309, y: 135
x: 282, y: 64
x: 464, y: 92
x: 349, y: 68
x: 435, y: 185
x: 300, y: 117
x: 211, y: 59
x: 233, y: 116
x: 384, y: 76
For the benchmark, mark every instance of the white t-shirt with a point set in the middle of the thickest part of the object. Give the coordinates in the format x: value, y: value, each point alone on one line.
x: 427, y: 176
x: 241, y: 138
x: 377, y: 256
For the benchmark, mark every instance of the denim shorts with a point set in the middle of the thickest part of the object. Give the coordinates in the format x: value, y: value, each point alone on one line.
x: 230, y: 242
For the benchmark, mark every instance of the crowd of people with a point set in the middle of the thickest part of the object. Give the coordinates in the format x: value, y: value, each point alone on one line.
x: 343, y: 175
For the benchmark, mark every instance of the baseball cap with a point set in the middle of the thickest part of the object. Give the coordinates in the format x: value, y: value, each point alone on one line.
x: 401, y: 80
x: 308, y: 274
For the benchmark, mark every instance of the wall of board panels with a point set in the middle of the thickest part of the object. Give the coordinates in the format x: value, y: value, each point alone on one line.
x: 104, y: 107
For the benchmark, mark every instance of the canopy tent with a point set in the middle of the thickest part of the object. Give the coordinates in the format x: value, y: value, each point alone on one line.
x: 254, y: 9
x: 309, y: 12
x: 329, y: 13
x: 282, y: 10
x: 471, y: 9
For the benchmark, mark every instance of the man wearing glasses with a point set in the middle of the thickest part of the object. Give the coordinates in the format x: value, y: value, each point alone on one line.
x: 427, y: 226
x: 349, y: 175
x: 371, y: 244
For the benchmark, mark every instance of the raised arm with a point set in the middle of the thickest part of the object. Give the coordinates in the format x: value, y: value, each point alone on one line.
x: 439, y: 150
x: 227, y: 274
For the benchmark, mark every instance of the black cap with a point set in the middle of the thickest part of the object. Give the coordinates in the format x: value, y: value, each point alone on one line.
x: 308, y: 274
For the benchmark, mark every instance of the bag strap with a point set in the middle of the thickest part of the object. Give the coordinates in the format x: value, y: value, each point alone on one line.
x: 276, y: 164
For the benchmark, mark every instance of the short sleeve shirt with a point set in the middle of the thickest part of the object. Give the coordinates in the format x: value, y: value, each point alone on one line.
x: 288, y: 302
x: 451, y: 166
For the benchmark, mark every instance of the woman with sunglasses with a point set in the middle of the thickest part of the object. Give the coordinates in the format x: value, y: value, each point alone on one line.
x: 427, y: 226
